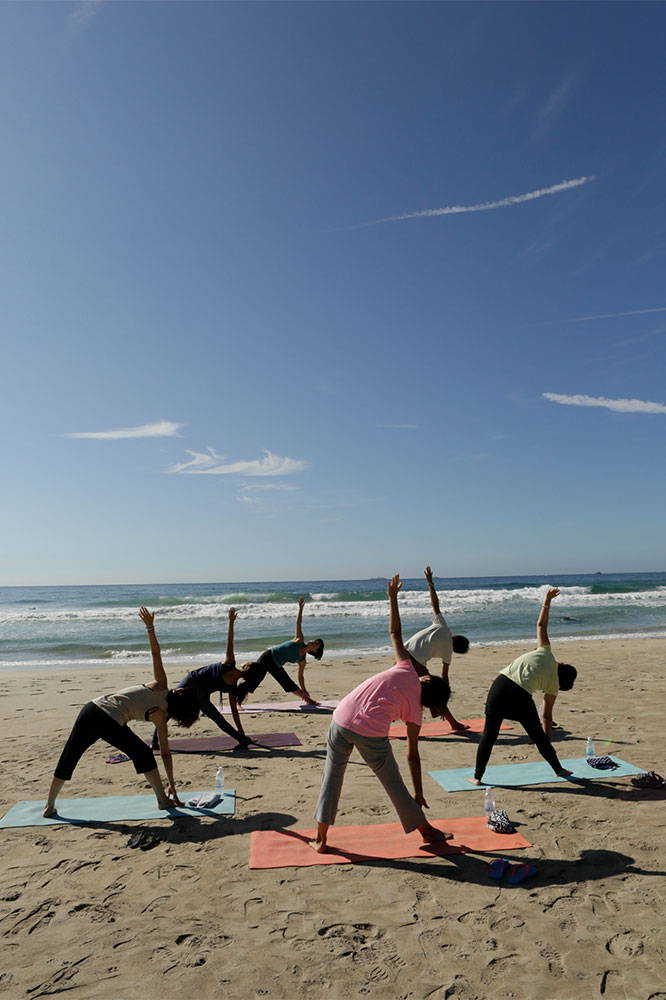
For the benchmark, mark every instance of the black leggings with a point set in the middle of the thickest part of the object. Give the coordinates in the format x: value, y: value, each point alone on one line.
x: 507, y: 700
x: 93, y: 724
x: 266, y: 664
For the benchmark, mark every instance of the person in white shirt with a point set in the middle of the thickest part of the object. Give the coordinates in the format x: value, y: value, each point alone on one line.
x: 436, y: 641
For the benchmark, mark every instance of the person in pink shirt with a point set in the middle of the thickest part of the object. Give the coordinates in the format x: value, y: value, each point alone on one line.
x: 362, y: 720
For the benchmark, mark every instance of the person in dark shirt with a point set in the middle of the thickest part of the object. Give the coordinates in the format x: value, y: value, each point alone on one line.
x: 223, y: 677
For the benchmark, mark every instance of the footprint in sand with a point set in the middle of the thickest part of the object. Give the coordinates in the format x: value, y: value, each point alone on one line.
x: 625, y: 945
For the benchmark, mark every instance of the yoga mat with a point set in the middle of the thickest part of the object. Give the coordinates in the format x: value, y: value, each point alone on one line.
x: 324, y: 707
x: 110, y: 809
x: 387, y: 841
x: 211, y: 744
x: 536, y: 772
x: 441, y: 728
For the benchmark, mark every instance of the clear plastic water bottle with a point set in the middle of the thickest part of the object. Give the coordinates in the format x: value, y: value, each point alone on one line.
x: 219, y: 780
x: 489, y: 802
x: 589, y: 747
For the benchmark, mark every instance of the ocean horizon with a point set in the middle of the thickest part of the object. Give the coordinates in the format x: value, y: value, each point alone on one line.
x: 98, y: 625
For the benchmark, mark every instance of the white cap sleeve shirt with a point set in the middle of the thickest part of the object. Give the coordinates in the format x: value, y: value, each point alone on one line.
x: 435, y: 641
x: 535, y: 671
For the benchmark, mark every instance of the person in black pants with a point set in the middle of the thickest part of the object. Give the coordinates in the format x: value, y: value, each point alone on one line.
x: 107, y: 717
x: 222, y: 677
x: 510, y: 697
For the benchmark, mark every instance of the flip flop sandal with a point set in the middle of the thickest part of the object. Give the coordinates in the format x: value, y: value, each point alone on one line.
x: 497, y: 868
x: 149, y: 841
x: 520, y: 872
x: 649, y: 780
x: 136, y: 840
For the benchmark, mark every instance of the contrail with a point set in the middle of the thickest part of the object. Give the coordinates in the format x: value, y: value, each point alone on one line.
x: 634, y: 312
x: 516, y: 199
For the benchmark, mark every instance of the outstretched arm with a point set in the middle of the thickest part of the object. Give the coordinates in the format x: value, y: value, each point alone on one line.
x: 299, y: 620
x: 414, y: 762
x: 547, y: 713
x: 542, y: 623
x: 395, y: 626
x: 148, y: 619
x: 230, y: 658
x: 434, y: 599
x: 160, y: 719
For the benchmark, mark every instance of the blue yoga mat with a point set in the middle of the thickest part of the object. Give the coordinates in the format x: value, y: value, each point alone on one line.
x: 536, y: 772
x: 110, y: 809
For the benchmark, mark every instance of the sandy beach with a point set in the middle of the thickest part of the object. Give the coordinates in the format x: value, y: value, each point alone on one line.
x: 83, y: 914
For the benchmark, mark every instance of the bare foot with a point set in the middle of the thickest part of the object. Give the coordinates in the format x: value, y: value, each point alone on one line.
x: 49, y: 811
x: 563, y: 773
x: 458, y: 727
x: 318, y: 845
x: 473, y: 781
x: 164, y: 804
x: 432, y: 835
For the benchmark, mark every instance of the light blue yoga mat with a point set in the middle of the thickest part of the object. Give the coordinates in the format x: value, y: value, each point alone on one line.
x: 111, y: 809
x: 536, y: 772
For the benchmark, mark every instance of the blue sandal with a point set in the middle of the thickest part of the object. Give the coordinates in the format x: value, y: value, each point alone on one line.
x: 497, y: 868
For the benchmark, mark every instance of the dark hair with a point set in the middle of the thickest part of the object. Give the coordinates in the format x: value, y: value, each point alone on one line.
x: 566, y: 675
x: 460, y: 643
x: 435, y: 692
x: 183, y: 706
x: 320, y: 650
x: 248, y: 682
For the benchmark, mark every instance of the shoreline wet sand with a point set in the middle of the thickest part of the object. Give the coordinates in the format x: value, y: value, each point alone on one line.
x: 82, y: 913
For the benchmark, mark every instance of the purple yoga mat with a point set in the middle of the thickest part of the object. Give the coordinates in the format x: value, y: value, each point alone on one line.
x: 211, y: 744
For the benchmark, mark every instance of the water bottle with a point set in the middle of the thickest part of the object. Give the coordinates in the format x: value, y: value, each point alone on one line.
x: 219, y: 781
x: 489, y: 802
x: 589, y: 748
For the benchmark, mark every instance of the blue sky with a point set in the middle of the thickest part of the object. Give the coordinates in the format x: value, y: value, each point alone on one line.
x: 187, y: 260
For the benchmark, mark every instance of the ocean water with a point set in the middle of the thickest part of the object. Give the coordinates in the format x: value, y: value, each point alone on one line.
x: 65, y: 627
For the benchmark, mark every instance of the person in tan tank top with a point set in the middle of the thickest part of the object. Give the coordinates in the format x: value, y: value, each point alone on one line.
x: 107, y: 718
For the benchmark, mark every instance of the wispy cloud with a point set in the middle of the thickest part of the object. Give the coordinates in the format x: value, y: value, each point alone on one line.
x: 618, y: 405
x: 558, y: 98
x: 268, y: 487
x: 162, y: 428
x: 211, y: 464
x: 632, y: 312
x: 83, y: 13
x: 485, y: 206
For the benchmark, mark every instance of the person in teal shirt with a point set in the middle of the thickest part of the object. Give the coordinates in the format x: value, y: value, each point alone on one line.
x: 273, y: 660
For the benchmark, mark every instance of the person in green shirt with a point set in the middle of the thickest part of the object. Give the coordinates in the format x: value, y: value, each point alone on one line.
x: 510, y: 697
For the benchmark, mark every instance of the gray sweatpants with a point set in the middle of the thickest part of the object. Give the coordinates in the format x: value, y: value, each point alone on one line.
x: 376, y: 752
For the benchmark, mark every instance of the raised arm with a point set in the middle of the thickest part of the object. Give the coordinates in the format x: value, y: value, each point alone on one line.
x: 229, y: 655
x: 542, y: 623
x: 148, y: 619
x: 299, y: 620
x: 434, y: 599
x: 395, y: 627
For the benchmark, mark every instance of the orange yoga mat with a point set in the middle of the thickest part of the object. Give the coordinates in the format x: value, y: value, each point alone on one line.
x: 347, y: 844
x: 440, y: 728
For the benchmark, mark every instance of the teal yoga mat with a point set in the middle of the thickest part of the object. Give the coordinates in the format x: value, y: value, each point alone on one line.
x: 536, y: 772
x: 110, y: 809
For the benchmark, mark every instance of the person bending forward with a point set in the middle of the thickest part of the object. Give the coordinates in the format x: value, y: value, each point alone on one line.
x: 510, y: 697
x: 436, y: 641
x: 362, y: 721
x: 106, y: 718
x: 272, y: 661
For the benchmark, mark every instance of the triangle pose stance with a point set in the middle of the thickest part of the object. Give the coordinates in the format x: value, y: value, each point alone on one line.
x: 510, y: 697
x: 223, y: 677
x: 436, y: 641
x: 273, y: 660
x: 106, y: 718
x: 362, y: 720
